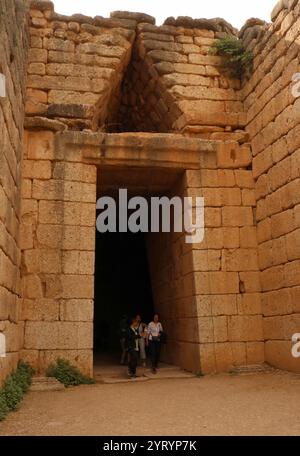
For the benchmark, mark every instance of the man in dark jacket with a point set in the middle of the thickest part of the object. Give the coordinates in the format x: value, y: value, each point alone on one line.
x: 132, y: 347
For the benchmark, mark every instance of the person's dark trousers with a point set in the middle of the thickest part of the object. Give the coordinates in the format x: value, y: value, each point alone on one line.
x: 132, y: 362
x: 154, y: 349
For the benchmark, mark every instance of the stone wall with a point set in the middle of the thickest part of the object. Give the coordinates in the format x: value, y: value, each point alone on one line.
x: 58, y: 251
x: 173, y: 83
x: 76, y: 65
x: 174, y: 294
x: 208, y: 294
x: 13, y: 48
x: 274, y: 127
x: 225, y: 264
x: 235, y: 298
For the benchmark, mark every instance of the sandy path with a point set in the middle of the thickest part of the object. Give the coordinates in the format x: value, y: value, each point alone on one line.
x: 261, y: 404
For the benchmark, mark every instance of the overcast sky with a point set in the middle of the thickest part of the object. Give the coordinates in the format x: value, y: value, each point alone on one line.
x: 234, y: 11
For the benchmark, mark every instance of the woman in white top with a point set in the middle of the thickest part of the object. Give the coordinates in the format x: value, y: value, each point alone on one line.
x: 154, y: 330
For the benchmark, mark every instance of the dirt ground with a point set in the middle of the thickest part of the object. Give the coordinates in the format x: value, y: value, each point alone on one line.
x: 260, y: 404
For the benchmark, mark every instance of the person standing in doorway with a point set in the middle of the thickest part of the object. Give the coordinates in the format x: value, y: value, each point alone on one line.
x: 154, y: 331
x: 142, y: 340
x: 132, y: 347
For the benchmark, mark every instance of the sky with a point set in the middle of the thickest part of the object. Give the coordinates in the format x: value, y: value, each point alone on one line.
x: 234, y: 11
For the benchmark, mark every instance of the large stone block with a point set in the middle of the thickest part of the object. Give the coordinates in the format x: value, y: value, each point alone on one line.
x: 216, y: 282
x: 31, y: 357
x: 32, y: 287
x: 77, y: 310
x: 273, y: 278
x: 218, y: 197
x: 277, y: 302
x: 249, y: 304
x: 292, y: 274
x: 50, y: 236
x: 250, y: 282
x: 240, y: 260
x: 206, y: 331
x: 248, y: 237
x: 238, y: 353
x: 75, y: 172
x: 82, y: 358
x: 41, y: 146
x: 26, y: 188
x: 77, y: 286
x: 205, y: 260
x: 70, y: 96
x: 48, y: 190
x: 224, y: 357
x: 280, y: 174
x: 55, y: 44
x: 232, y: 155
x: 212, y: 217
x: 245, y: 328
x: 29, y: 210
x: 75, y: 335
x: 295, y: 299
x: 237, y: 216
x: 14, y: 336
x: 37, y: 55
x: 81, y: 192
x: 40, y: 310
x: 35, y: 169
x: 290, y: 194
x: 41, y: 335
x: 248, y: 197
x: 293, y: 245
x: 223, y: 304
x: 58, y: 335
x: 264, y: 230
x: 82, y: 238
x: 26, y: 236
x: 220, y: 329
x: 67, y: 213
x: 208, y: 358
x: 262, y: 162
x: 76, y: 262
x: 279, y: 251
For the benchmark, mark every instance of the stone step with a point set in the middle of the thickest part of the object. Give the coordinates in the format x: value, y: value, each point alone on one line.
x: 169, y: 374
x: 144, y: 374
x: 252, y: 369
x: 46, y: 384
x: 115, y: 380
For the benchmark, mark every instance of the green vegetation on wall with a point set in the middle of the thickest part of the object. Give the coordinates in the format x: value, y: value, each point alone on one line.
x: 14, y: 388
x: 68, y: 374
x: 237, y: 60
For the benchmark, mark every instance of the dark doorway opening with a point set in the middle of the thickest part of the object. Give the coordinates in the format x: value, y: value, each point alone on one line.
x: 122, y: 286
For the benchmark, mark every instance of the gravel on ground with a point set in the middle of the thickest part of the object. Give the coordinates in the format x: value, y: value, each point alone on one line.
x: 260, y: 404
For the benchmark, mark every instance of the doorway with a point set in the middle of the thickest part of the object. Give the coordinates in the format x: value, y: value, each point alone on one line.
x: 144, y: 273
x: 122, y: 287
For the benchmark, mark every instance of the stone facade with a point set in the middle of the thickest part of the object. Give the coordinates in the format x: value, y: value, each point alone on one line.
x: 122, y: 93
x: 13, y: 65
x: 273, y: 126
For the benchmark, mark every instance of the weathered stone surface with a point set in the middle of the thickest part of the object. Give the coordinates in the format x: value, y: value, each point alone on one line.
x: 69, y: 110
x: 232, y: 155
x: 139, y: 17
x: 41, y: 145
x: 42, y: 123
